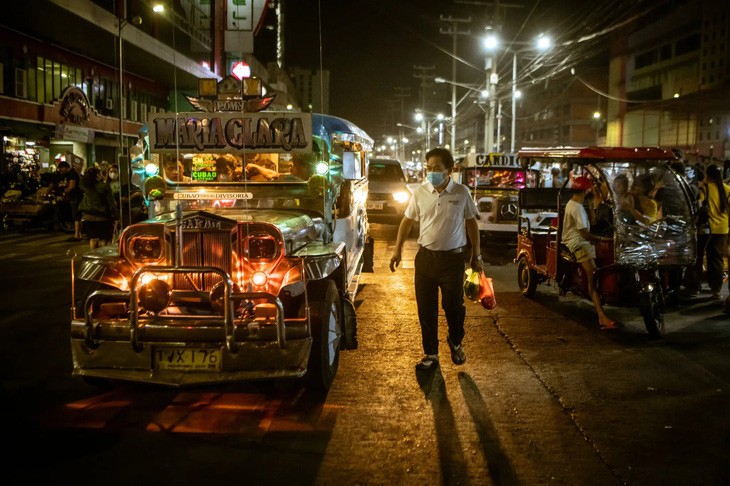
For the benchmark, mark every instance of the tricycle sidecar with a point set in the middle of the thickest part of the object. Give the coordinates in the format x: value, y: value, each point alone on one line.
x: 647, y: 229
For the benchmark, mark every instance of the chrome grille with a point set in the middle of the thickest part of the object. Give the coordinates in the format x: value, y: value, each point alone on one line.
x: 207, y: 249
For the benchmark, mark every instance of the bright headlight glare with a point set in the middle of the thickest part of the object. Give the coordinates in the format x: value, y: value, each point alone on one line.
x: 259, y: 278
x: 151, y: 169
x: 322, y: 168
x: 401, y: 196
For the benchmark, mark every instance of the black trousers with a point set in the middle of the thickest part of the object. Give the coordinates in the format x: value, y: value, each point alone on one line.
x: 434, y: 271
x: 715, y: 263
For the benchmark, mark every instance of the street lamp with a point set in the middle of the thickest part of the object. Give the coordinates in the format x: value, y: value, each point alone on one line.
x: 439, y: 117
x: 542, y: 43
x: 483, y: 93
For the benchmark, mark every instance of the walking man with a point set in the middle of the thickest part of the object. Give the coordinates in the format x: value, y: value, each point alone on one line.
x: 446, y: 214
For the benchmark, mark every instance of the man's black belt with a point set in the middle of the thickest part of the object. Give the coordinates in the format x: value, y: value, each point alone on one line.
x: 442, y: 252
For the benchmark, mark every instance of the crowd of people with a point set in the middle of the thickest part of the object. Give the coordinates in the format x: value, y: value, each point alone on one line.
x: 87, y: 203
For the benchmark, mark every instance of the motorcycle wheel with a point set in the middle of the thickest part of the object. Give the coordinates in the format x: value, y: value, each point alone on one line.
x: 526, y: 278
x: 651, y: 305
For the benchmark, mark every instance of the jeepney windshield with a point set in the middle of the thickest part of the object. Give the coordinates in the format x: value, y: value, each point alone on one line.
x: 197, y: 169
x: 499, y: 178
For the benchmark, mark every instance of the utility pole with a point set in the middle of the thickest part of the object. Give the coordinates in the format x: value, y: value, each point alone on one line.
x: 500, y: 12
x: 401, y: 92
x: 426, y: 81
x: 424, y: 84
x: 454, y: 31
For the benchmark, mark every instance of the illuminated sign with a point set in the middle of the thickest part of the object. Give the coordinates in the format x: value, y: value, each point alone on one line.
x: 212, y: 195
x: 492, y: 160
x: 241, y: 70
x: 281, y: 132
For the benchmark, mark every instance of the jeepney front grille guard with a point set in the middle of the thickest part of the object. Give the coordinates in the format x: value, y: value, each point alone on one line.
x: 228, y: 297
x: 206, y: 261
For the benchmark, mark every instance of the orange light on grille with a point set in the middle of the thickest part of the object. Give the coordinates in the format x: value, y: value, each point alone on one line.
x: 259, y: 279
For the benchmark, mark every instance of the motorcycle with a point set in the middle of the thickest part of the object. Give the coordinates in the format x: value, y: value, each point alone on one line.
x: 34, y: 210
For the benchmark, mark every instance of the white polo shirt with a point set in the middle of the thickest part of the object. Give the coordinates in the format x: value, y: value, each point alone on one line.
x: 441, y: 216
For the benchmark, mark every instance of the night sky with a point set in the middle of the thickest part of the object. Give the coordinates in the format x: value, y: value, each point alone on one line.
x: 371, y: 47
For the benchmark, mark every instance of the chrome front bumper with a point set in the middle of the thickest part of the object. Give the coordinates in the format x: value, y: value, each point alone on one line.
x: 250, y: 347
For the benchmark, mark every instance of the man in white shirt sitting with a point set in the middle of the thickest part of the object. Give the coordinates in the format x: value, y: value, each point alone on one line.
x: 576, y: 236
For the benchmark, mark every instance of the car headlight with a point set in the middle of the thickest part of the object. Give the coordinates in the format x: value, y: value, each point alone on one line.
x: 401, y: 196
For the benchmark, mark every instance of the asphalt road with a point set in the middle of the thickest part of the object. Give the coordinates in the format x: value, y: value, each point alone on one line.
x: 544, y: 397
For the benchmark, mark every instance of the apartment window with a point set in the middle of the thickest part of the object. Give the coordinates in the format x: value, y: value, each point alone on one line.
x: 143, y: 112
x: 32, y: 90
x: 645, y: 59
x: 687, y: 44
x: 21, y: 81
x: 133, y: 111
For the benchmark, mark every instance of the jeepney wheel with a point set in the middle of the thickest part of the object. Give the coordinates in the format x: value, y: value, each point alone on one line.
x: 526, y: 277
x: 651, y: 305
x: 326, y: 322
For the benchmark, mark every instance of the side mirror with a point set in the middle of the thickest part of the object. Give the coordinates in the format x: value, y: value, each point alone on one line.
x: 154, y: 188
x: 352, y: 165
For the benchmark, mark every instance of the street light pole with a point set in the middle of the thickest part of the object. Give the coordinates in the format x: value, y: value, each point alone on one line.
x: 121, y: 162
x: 514, y: 106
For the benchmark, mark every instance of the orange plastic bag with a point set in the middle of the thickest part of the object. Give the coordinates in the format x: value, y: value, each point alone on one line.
x: 486, y: 292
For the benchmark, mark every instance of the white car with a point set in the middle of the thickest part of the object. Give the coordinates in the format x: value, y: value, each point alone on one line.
x: 388, y: 191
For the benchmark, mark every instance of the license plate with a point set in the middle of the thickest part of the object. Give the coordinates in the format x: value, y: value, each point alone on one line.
x: 188, y: 359
x: 375, y: 205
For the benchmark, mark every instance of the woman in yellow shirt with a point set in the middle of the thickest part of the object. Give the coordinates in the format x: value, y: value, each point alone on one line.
x: 716, y: 192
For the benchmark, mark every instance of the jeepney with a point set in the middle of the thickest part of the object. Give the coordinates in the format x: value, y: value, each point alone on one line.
x: 249, y: 262
x: 494, y: 180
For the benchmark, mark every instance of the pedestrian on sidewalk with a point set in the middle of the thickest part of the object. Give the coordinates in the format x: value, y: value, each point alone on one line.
x: 446, y: 214
x: 716, y: 194
x: 98, y: 209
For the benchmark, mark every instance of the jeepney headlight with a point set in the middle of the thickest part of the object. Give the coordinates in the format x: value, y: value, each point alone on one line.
x: 401, y: 197
x: 259, y: 279
x: 217, y: 294
x: 262, y: 247
x: 146, y: 248
x: 154, y: 295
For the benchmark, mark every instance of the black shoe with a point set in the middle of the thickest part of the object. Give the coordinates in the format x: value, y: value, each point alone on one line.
x: 73, y: 238
x: 428, y: 362
x: 458, y: 356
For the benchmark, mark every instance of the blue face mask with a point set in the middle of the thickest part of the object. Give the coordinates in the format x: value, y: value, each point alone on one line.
x: 435, y: 178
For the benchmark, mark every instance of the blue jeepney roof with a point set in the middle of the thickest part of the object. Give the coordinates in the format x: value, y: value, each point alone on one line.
x: 330, y: 127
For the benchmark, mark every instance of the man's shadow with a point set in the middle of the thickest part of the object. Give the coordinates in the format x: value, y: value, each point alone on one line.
x: 451, y: 453
x: 500, y: 469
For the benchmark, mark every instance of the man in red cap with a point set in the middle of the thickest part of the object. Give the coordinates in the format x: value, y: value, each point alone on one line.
x: 577, y: 237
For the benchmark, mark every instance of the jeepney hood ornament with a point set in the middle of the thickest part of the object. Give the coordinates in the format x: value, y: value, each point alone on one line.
x: 232, y: 95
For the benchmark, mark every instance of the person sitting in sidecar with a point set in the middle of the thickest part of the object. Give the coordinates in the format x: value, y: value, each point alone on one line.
x: 577, y: 236
x: 638, y: 205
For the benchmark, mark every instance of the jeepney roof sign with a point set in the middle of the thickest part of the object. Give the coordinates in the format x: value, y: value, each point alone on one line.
x: 490, y: 160
x: 214, y: 132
